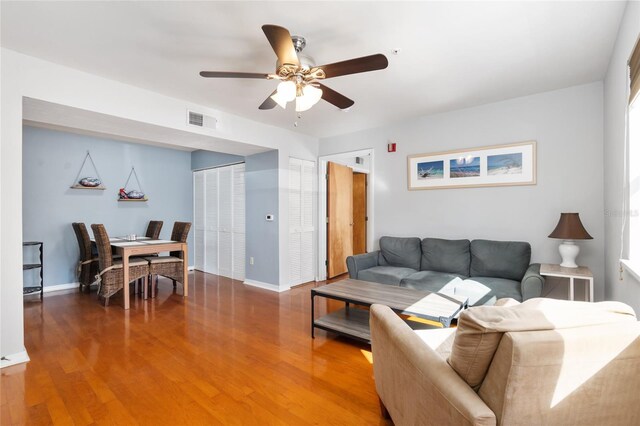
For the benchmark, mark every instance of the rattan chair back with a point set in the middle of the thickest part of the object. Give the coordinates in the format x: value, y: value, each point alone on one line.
x: 111, y: 280
x: 87, y: 265
x: 154, y: 228
x: 84, y: 242
x: 179, y: 233
x: 105, y: 256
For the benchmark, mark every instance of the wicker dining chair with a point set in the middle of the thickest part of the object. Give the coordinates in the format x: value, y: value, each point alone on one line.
x: 153, y: 229
x: 88, y: 264
x: 169, y: 266
x: 111, y: 274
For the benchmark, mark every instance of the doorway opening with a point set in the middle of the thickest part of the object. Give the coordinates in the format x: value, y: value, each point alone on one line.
x: 346, y: 208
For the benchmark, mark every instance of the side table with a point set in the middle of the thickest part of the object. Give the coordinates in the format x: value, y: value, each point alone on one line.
x: 580, y: 273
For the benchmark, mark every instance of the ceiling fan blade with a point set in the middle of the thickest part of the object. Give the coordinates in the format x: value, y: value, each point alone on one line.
x: 280, y: 40
x: 334, y: 97
x: 354, y: 66
x: 227, y: 74
x: 269, y: 103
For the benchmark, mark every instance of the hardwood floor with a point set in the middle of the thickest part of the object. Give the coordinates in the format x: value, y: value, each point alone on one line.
x: 228, y: 354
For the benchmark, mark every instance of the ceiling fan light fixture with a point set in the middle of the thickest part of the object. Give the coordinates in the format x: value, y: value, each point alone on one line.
x: 286, y: 91
x: 278, y: 99
x: 310, y: 96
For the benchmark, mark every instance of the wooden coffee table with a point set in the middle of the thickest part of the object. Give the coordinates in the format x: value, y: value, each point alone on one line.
x: 354, y: 323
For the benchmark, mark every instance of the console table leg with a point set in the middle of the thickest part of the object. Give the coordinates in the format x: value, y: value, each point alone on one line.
x: 571, y: 288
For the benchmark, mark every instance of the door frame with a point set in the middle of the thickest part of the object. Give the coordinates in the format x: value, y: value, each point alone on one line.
x: 322, y: 202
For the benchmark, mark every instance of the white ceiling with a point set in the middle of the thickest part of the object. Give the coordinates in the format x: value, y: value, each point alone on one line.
x: 453, y: 55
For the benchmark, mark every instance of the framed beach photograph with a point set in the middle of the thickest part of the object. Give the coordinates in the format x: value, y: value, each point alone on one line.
x: 496, y: 165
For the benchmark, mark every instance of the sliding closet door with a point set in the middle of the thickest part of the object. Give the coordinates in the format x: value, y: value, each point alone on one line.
x: 219, y: 203
x: 301, y: 229
x: 225, y: 221
x: 238, y: 227
x: 211, y: 218
x: 199, y: 223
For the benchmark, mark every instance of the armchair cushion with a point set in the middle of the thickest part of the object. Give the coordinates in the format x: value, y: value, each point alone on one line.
x: 401, y: 252
x: 450, y: 256
x: 500, y: 259
x: 480, y: 329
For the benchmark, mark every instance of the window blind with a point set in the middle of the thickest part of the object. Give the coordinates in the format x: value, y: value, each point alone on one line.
x: 634, y: 69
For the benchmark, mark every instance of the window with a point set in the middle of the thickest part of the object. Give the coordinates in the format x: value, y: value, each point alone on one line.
x: 632, y: 209
x: 634, y: 181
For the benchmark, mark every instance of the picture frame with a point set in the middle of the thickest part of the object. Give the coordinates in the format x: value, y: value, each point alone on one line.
x: 495, y: 165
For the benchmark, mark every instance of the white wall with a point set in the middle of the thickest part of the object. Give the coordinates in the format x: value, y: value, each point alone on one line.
x: 615, y: 105
x: 568, y: 127
x: 25, y: 76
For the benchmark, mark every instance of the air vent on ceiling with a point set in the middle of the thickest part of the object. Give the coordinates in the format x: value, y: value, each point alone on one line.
x: 201, y: 120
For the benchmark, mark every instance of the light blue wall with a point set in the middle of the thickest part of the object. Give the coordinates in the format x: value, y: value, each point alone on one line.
x: 261, y: 186
x: 208, y: 159
x: 51, y: 160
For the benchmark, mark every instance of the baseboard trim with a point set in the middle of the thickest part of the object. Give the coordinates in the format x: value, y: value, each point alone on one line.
x: 60, y: 287
x: 266, y: 286
x: 13, y: 359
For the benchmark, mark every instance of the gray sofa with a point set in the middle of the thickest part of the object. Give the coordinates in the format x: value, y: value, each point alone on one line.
x: 429, y: 264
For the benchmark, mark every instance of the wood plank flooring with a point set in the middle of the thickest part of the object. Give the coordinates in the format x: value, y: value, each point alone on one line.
x: 229, y: 354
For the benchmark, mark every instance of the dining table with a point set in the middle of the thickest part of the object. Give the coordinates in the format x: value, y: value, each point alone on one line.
x: 127, y: 247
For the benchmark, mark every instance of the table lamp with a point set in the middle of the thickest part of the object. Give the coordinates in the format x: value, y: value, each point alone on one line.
x: 569, y: 228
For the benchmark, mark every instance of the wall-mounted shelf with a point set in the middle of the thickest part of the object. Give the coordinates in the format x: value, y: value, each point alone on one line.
x: 76, y: 183
x: 30, y: 266
x: 99, y: 187
x: 123, y: 193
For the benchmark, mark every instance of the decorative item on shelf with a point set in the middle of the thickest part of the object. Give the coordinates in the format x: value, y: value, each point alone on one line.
x: 88, y: 182
x: 134, y: 194
x: 569, y: 228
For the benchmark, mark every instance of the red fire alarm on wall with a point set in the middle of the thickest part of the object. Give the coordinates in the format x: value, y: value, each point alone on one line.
x: 391, y: 147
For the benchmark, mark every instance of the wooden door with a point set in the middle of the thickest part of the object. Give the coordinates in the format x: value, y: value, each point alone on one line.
x: 340, y: 218
x: 359, y: 213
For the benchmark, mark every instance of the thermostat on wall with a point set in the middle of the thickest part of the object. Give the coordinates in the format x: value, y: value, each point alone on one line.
x: 269, y: 218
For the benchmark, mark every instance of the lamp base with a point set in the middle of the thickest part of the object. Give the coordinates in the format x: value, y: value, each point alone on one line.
x: 569, y: 251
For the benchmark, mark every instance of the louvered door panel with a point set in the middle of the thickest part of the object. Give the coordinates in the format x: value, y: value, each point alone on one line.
x: 199, y: 212
x: 238, y: 233
x: 225, y: 222
x: 211, y: 222
x: 301, y: 229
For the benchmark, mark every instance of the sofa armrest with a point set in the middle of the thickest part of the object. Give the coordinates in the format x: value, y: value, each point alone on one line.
x: 361, y: 262
x: 532, y: 282
x: 417, y: 385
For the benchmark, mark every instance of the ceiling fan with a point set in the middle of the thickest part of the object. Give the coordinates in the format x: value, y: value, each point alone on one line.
x: 299, y: 76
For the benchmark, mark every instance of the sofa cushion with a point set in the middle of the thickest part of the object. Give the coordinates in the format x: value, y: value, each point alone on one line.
x: 428, y: 280
x: 402, y: 252
x: 440, y: 255
x: 500, y: 259
x: 499, y: 288
x: 385, y: 274
x: 480, y: 329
